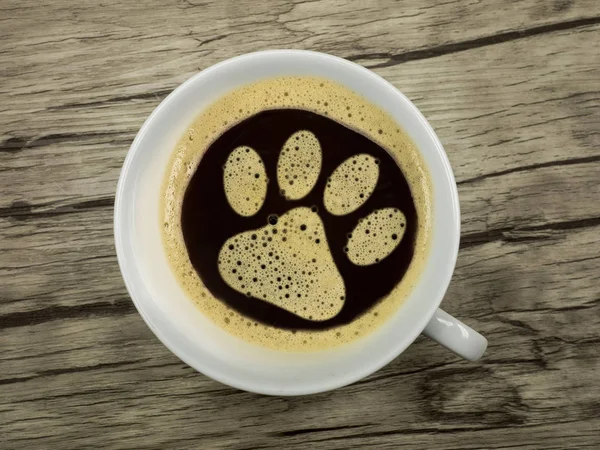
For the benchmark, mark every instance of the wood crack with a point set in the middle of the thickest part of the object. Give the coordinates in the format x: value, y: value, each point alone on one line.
x: 153, y: 95
x: 21, y: 210
x: 375, y: 378
x: 565, y: 162
x: 70, y: 370
x: 471, y: 44
x: 52, y: 313
x: 303, y: 431
x: 16, y: 144
x: 503, y: 234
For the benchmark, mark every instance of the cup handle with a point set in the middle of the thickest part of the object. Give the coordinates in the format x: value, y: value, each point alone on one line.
x: 456, y: 336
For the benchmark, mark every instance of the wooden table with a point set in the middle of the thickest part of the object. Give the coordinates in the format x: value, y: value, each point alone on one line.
x: 512, y: 89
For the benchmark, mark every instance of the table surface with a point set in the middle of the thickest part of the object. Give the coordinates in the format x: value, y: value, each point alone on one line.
x: 512, y: 89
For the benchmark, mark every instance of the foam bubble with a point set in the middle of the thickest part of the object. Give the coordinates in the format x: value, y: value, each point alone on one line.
x: 351, y: 184
x: 288, y: 264
x: 299, y: 165
x: 245, y: 181
x: 376, y: 236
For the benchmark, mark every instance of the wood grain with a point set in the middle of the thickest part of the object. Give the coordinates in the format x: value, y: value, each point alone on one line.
x: 512, y: 89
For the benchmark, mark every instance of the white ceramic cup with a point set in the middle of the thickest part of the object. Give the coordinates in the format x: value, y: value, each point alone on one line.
x: 209, y: 349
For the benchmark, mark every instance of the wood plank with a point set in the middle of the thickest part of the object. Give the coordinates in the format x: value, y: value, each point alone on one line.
x: 524, y: 116
x: 530, y: 342
x: 511, y: 106
x: 109, y: 377
x: 162, y: 40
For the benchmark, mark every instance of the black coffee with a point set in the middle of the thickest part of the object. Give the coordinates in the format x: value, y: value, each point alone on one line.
x: 213, y: 214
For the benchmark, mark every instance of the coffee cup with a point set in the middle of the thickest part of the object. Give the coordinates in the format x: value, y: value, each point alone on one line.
x: 194, y: 338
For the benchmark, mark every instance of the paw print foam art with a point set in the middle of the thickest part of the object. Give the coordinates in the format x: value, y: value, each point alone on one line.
x: 298, y: 222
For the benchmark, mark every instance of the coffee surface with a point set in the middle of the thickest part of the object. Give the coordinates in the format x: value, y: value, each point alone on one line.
x: 296, y: 214
x: 256, y: 258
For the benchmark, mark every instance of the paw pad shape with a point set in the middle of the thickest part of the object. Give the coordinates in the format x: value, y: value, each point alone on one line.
x: 288, y: 261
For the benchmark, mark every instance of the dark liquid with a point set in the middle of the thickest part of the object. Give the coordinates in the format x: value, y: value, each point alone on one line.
x: 208, y: 220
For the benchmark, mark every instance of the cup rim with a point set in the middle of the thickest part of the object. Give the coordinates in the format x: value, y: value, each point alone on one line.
x: 135, y: 293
